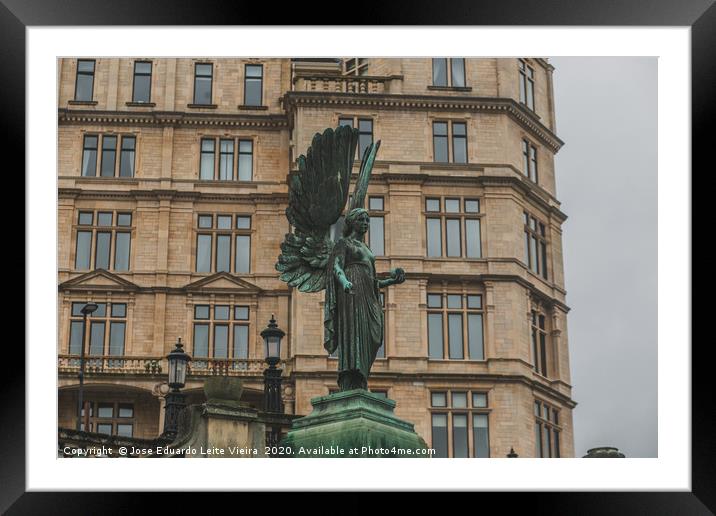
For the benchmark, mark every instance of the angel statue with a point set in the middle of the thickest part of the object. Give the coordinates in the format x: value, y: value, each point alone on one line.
x: 311, y: 261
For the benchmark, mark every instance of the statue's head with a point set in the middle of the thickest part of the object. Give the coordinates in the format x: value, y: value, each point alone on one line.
x: 357, y: 220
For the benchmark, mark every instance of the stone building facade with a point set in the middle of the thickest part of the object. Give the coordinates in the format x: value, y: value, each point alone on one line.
x: 172, y: 191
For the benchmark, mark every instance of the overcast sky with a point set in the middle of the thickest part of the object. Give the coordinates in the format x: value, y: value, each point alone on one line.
x: 606, y: 112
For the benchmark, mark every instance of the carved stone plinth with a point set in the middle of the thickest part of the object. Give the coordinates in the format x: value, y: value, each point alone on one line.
x: 354, y: 423
x: 223, y: 427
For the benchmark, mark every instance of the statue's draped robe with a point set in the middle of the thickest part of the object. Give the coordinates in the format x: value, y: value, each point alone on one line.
x: 353, y: 323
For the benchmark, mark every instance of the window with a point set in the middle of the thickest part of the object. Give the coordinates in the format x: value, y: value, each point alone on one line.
x: 226, y: 168
x: 455, y: 326
x: 111, y: 418
x: 108, y: 164
x: 460, y: 424
x: 529, y: 160
x: 458, y: 137
x: 223, y: 243
x: 226, y: 160
x: 103, y: 240
x: 539, y: 342
x: 459, y: 142
x: 547, y: 430
x: 206, y: 167
x: 365, y: 131
x: 126, y: 158
x: 355, y: 66
x: 89, y: 155
x: 142, y: 85
x: 221, y: 331
x: 535, y: 245
x: 440, y: 142
x: 84, y: 84
x: 106, y: 329
x: 203, y: 75
x: 253, y: 84
x: 245, y: 166
x: 453, y: 227
x: 376, y: 237
x: 527, y: 85
x: 109, y: 156
x: 449, y: 72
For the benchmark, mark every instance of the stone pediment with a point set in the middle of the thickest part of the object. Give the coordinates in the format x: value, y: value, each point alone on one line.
x: 99, y: 279
x: 222, y: 282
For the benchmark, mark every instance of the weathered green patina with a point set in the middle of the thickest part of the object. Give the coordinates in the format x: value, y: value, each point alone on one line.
x: 355, y: 423
x: 352, y: 422
x: 311, y: 261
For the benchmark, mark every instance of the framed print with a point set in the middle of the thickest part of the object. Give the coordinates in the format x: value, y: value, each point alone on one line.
x: 434, y: 310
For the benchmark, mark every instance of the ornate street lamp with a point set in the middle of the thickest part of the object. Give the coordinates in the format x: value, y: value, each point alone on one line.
x: 88, y: 309
x: 272, y: 336
x: 175, y: 400
x: 512, y: 454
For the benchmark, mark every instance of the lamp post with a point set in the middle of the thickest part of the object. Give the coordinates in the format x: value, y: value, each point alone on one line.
x: 88, y: 309
x: 512, y: 454
x: 272, y: 336
x: 175, y: 400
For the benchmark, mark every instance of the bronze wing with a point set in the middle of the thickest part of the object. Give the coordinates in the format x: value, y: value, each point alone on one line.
x: 317, y: 194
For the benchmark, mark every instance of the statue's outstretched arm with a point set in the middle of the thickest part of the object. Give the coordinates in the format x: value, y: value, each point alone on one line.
x: 397, y: 276
x: 386, y: 282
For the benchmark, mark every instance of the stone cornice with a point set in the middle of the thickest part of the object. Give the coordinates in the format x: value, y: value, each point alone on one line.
x: 171, y: 118
x: 430, y: 276
x: 428, y: 102
x: 538, y: 386
x: 537, y: 195
x: 174, y: 195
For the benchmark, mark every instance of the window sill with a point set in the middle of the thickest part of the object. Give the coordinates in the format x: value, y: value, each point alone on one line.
x: 250, y: 108
x: 202, y: 106
x: 110, y: 178
x: 234, y: 182
x: 455, y: 258
x: 82, y: 102
x: 141, y: 104
x: 541, y: 376
x: 207, y: 274
x: 473, y: 360
x: 450, y: 88
x: 536, y: 274
x: 529, y: 180
x: 376, y: 358
x: 451, y: 163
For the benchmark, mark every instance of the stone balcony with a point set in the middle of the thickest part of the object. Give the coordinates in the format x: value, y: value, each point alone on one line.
x: 332, y: 83
x: 69, y: 365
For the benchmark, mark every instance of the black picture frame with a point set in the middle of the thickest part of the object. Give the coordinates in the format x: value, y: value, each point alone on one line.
x: 700, y: 15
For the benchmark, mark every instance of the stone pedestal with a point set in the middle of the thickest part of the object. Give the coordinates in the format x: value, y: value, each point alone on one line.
x: 354, y: 423
x: 223, y: 427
